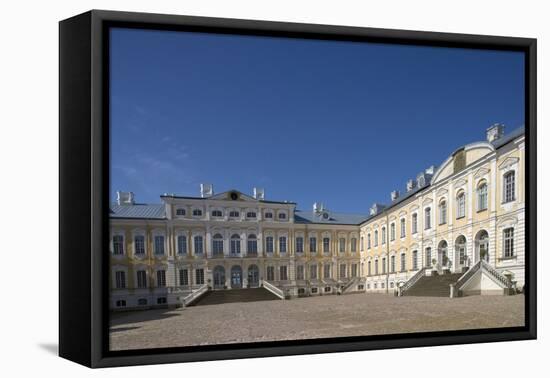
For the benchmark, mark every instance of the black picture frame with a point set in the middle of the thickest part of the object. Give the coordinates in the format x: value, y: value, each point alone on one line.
x: 84, y: 189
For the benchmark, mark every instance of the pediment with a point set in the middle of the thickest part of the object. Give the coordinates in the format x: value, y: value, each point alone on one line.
x: 509, y: 161
x: 460, y: 183
x: 481, y: 172
x: 233, y: 195
x: 442, y: 192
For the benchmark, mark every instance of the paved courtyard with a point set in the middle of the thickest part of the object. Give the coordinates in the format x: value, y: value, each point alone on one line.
x: 314, y: 317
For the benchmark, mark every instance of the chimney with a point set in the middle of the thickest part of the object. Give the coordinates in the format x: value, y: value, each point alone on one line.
x: 207, y: 190
x: 259, y: 194
x: 376, y: 208
x: 125, y: 198
x: 430, y: 170
x: 421, y: 179
x: 318, y: 207
x: 394, y: 195
x: 495, y: 132
x: 411, y: 184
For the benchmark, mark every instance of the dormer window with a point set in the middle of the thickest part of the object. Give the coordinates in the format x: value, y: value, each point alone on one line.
x: 282, y: 216
x: 269, y: 215
x: 217, y: 213
x: 197, y: 213
x: 234, y: 214
x: 180, y: 212
x: 251, y: 214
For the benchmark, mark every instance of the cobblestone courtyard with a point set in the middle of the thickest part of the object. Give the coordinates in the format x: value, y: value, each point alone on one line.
x: 314, y: 317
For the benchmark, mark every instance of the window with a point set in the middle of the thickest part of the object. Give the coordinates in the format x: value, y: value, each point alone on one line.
x: 443, y: 212
x: 326, y: 245
x: 118, y: 245
x: 383, y: 235
x: 234, y: 214
x: 161, y: 278
x: 139, y: 245
x: 428, y: 257
x: 460, y: 250
x: 482, y: 197
x: 313, y: 290
x: 368, y: 241
x: 199, y: 276
x: 326, y: 271
x: 403, y: 262
x: 353, y: 245
x: 142, y: 302
x: 376, y: 238
x: 184, y: 277
x: 197, y: 213
x: 369, y: 270
x: 415, y: 260
x: 343, y: 270
x: 392, y: 232
x: 269, y: 244
x: 271, y: 273
x: 161, y: 300
x: 460, y: 205
x: 252, y: 244
x: 509, y: 187
x: 251, y: 214
x: 159, y: 245
x: 141, y: 279
x: 180, y: 212
x: 392, y: 264
x: 282, y: 244
x: 283, y: 273
x: 313, y: 244
x: 403, y: 228
x: 342, y: 245
x: 120, y: 277
x: 217, y: 213
x: 268, y: 215
x: 299, y: 244
x: 301, y: 291
x: 414, y: 223
x: 383, y: 265
x: 354, y: 270
x: 508, y: 242
x: 217, y: 245
x: 427, y: 218
x: 327, y: 289
x: 300, y: 272
x: 313, y: 272
x: 198, y: 245
x: 282, y: 216
x: 375, y: 267
x: 121, y: 303
x: 362, y: 243
x: 182, y: 244
x: 235, y: 244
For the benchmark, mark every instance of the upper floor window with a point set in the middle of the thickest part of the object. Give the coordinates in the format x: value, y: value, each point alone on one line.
x: 383, y: 235
x: 217, y: 213
x: 313, y: 244
x: 428, y: 257
x: 427, y: 218
x: 482, y: 197
x: 509, y: 187
x: 443, y: 212
x: 271, y: 273
x: 376, y: 238
x: 326, y: 245
x: 198, y: 244
x: 392, y: 264
x: 118, y: 245
x: 141, y: 279
x: 235, y: 244
x: 342, y: 245
x: 283, y: 273
x: 282, y: 244
x: 197, y: 213
x: 120, y: 278
x: 403, y: 262
x: 353, y: 245
x: 415, y: 260
x: 362, y: 243
x: 460, y: 205
x: 299, y: 272
x: 159, y: 244
x: 182, y: 244
x: 368, y: 241
x: 251, y: 214
x: 403, y: 228
x: 234, y: 214
x: 369, y: 270
x: 139, y: 244
x: 282, y: 216
x: 184, y: 277
x: 180, y: 212
x: 414, y: 223
x: 199, y: 276
x: 508, y: 239
x: 299, y: 244
x: 354, y: 270
x: 343, y: 269
x: 268, y: 215
x: 269, y: 244
x: 252, y: 244
x: 313, y: 272
x: 326, y: 271
x: 161, y: 278
x: 375, y: 267
x: 217, y: 244
x: 392, y: 232
x: 383, y: 265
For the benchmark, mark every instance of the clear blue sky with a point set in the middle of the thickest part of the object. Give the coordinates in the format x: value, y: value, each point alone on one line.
x: 343, y: 123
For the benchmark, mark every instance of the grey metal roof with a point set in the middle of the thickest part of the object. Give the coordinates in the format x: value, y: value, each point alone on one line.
x: 137, y: 211
x: 509, y: 137
x: 301, y: 216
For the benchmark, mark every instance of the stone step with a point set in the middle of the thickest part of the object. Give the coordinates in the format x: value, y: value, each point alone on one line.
x: 433, y: 286
x: 235, y: 295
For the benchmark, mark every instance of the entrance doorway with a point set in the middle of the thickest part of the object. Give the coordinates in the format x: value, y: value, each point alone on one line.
x: 219, y: 277
x: 253, y: 276
x: 482, y: 246
x: 236, y: 277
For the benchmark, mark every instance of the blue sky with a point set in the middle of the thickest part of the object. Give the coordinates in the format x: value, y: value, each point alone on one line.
x: 343, y: 123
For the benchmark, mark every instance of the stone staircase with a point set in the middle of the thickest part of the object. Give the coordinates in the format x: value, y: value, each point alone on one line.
x: 433, y: 286
x: 235, y: 295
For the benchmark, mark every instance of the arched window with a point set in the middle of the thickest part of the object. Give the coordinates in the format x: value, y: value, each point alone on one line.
x: 217, y: 245
x: 442, y: 253
x: 235, y: 244
x: 326, y: 245
x: 427, y: 218
x: 342, y: 245
x: 428, y: 257
x: 313, y: 244
x: 482, y: 246
x: 368, y: 241
x: 414, y: 223
x: 392, y: 232
x: 252, y: 245
x: 403, y: 228
x: 197, y: 241
x: 269, y: 244
x: 369, y: 268
x: 182, y: 244
x: 460, y: 250
x: 376, y: 267
x: 460, y: 205
x: 376, y: 238
x: 383, y: 235
x: 299, y: 244
x: 353, y: 245
x: 442, y: 212
x: 282, y: 244
x: 509, y: 187
x: 217, y: 213
x: 482, y: 196
x: 362, y: 243
x: 403, y: 262
x: 392, y: 264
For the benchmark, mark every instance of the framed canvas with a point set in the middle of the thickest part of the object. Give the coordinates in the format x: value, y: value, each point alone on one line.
x: 236, y: 188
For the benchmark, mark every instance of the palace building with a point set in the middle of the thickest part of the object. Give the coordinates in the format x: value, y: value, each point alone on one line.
x: 460, y: 224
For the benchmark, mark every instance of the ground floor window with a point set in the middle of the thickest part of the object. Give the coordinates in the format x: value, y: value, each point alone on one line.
x: 184, y: 277
x: 161, y: 278
x: 300, y: 272
x: 142, y: 302
x: 161, y: 300
x: 327, y: 289
x: 342, y: 270
x: 120, y: 279
x: 301, y: 291
x: 354, y: 270
x: 199, y: 274
x: 313, y: 272
x: 271, y: 273
x: 121, y: 303
x: 314, y: 290
x: 360, y: 287
x: 283, y: 273
x: 508, y: 242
